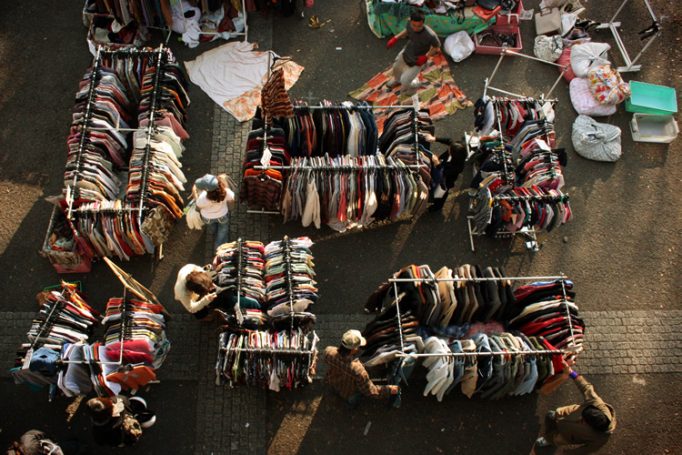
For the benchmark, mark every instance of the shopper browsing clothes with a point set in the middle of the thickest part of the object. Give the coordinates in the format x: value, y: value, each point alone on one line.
x: 214, y: 197
x: 34, y: 442
x: 194, y: 288
x: 346, y: 374
x: 119, y: 421
x: 448, y: 166
x: 422, y: 43
x: 588, y: 425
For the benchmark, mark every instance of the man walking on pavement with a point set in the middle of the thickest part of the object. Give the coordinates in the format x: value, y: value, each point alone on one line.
x: 346, y: 374
x: 588, y: 425
x: 422, y: 43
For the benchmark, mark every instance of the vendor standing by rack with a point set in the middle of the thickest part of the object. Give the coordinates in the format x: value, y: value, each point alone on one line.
x: 346, y: 374
x: 422, y: 43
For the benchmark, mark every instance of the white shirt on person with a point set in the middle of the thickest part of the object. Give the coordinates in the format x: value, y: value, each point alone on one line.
x: 212, y: 210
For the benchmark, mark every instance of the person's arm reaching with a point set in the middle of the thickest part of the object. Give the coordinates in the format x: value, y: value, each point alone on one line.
x: 394, y: 40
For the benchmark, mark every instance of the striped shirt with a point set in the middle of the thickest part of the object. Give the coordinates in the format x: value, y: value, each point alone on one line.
x: 347, y: 376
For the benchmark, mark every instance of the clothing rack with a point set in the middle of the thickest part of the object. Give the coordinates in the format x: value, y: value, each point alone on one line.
x: 529, y: 233
x: 94, y: 76
x: 266, y: 128
x: 506, y: 51
x: 237, y: 309
x: 287, y: 261
x: 150, y: 129
x: 403, y: 354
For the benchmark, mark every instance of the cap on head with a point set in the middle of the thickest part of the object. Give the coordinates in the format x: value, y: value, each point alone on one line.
x: 206, y: 183
x: 352, y: 339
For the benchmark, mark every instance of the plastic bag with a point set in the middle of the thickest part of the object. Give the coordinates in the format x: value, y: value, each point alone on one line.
x: 459, y: 46
x: 192, y: 216
x: 548, y: 48
x: 607, y: 86
x: 596, y: 141
x: 584, y: 102
x: 588, y: 55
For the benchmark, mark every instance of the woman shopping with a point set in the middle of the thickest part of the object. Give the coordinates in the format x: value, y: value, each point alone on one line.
x: 214, y: 197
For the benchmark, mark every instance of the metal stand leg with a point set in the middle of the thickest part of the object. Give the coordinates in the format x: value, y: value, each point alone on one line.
x: 471, y: 236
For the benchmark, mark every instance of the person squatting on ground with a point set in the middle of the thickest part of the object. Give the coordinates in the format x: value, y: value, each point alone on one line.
x: 422, y: 43
x: 34, y: 442
x: 346, y: 374
x: 119, y: 421
x: 588, y: 425
x: 214, y: 197
x: 448, y: 166
x: 194, y: 288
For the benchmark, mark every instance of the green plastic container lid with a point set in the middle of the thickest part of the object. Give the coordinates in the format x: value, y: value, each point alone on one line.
x: 651, y: 99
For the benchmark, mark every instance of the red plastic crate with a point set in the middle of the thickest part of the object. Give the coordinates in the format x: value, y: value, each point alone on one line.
x: 506, y: 24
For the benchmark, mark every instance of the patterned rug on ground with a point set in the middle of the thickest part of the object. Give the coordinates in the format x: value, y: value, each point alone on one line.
x: 440, y: 94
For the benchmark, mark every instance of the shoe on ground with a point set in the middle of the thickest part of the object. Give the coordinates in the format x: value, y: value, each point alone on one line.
x: 542, y: 442
x: 392, y: 84
x: 147, y: 419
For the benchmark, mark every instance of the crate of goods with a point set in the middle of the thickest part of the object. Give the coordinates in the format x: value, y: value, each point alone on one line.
x: 661, y: 129
x: 491, y: 42
x: 61, y: 248
x: 651, y: 99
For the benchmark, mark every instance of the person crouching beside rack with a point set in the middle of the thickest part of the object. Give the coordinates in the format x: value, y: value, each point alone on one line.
x: 214, y: 197
x: 346, y: 374
x: 194, y: 288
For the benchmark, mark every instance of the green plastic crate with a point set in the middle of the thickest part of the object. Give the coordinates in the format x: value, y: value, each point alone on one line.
x: 651, y: 99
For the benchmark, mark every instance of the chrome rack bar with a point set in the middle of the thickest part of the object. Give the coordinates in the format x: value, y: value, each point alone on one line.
x: 86, y: 119
x: 150, y: 129
x: 510, y: 278
x: 484, y: 354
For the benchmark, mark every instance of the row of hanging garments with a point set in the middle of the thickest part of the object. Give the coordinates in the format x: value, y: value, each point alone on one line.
x: 134, y: 347
x: 271, y: 360
x: 520, y: 208
x: 64, y: 317
x: 405, y: 127
x: 262, y: 188
x: 518, y: 371
x: 326, y: 129
x: 466, y: 294
x: 97, y: 150
x: 519, y: 171
x: 111, y: 228
x: 548, y: 309
x: 240, y: 272
x: 511, y: 113
x: 274, y: 284
x: 155, y: 176
x: 350, y: 192
x: 118, y: 227
x: 290, y: 284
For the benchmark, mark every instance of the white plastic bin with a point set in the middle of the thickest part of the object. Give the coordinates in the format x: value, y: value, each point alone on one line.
x: 662, y: 129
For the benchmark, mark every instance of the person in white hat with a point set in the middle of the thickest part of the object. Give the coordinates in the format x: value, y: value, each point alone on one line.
x: 213, y: 197
x: 346, y: 374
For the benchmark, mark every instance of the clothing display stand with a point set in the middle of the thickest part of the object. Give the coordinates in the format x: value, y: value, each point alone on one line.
x: 489, y: 80
x: 150, y: 129
x: 260, y: 356
x: 651, y: 33
x: 570, y: 352
x: 94, y: 76
x: 528, y: 233
x: 156, y: 59
x: 345, y: 168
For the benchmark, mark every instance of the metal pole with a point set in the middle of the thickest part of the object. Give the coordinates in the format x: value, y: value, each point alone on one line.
x: 400, y: 322
x: 510, y: 278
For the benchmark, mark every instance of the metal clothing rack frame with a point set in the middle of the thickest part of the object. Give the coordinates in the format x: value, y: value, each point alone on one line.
x: 94, y: 76
x: 631, y: 64
x: 396, y: 300
x: 529, y: 233
x: 506, y: 51
x: 150, y: 129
